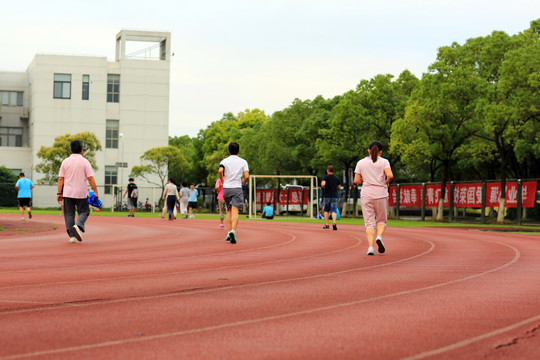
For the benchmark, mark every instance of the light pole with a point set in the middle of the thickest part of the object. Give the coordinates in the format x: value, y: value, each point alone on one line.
x: 122, y: 171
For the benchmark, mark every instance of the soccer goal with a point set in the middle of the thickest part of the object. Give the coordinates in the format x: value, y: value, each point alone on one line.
x: 312, y: 198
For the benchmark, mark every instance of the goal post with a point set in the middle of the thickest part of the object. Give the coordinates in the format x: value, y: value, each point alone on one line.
x: 314, y: 183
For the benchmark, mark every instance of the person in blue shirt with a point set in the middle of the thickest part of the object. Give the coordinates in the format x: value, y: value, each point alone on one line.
x: 193, y: 193
x: 268, y: 212
x: 24, y: 186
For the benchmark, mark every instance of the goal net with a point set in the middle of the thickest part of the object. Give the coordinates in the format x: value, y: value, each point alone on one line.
x: 291, y: 199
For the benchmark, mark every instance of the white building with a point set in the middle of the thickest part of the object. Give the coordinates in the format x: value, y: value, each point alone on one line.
x: 125, y: 103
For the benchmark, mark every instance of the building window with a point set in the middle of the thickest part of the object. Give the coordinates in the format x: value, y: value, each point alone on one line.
x: 62, y: 86
x: 11, y: 136
x: 111, y: 178
x: 85, y: 87
x: 11, y: 98
x: 113, y: 88
x: 111, y: 134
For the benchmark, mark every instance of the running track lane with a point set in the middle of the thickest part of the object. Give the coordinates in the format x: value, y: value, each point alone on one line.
x: 149, y: 288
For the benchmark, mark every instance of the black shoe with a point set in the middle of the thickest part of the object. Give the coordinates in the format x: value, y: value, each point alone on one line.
x: 326, y: 227
x: 233, y: 237
x: 334, y: 227
x: 381, y: 246
x: 29, y: 214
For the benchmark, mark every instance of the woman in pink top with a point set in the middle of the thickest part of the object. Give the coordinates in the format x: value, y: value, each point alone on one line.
x: 375, y: 174
x: 221, y: 203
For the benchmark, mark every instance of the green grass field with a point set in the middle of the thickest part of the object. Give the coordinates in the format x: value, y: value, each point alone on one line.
x: 299, y: 219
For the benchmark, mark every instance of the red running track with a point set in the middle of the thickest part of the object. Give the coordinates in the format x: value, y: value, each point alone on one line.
x: 146, y: 288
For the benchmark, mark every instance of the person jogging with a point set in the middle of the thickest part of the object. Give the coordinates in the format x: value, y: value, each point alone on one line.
x: 374, y: 174
x: 230, y: 173
x: 330, y: 185
x: 24, y: 187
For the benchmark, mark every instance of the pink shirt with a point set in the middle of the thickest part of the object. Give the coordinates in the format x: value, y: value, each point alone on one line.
x: 374, y: 181
x: 75, y: 170
x: 220, y: 192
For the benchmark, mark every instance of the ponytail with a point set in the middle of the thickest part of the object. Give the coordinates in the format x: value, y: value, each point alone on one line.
x: 374, y: 149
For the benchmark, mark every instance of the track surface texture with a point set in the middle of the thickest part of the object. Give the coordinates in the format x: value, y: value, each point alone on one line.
x: 147, y: 288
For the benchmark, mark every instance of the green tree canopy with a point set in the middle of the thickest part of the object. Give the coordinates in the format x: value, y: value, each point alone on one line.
x: 53, y: 156
x: 158, y: 162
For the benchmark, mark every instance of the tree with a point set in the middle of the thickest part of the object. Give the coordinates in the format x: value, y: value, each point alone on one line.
x: 8, y: 193
x: 159, y: 161
x: 60, y: 150
x: 510, y: 109
x: 441, y: 116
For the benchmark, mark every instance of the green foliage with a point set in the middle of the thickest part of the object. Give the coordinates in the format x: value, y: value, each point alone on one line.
x: 8, y: 193
x: 53, y: 156
x: 159, y: 162
x: 474, y: 114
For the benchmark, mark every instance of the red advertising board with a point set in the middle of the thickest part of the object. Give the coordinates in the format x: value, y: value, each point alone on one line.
x: 433, y: 195
x: 409, y: 195
x: 528, y: 194
x: 468, y: 195
x: 295, y: 196
x: 465, y: 195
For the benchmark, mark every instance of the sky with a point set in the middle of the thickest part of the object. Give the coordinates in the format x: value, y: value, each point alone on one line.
x: 233, y: 55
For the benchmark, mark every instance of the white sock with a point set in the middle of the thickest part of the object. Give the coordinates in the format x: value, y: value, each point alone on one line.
x: 379, y: 237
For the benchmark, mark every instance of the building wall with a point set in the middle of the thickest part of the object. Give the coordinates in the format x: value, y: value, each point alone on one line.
x: 142, y: 110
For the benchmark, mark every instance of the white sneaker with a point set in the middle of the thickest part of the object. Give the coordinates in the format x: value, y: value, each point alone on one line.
x: 370, y: 250
x: 22, y: 218
x: 72, y: 240
x: 78, y: 233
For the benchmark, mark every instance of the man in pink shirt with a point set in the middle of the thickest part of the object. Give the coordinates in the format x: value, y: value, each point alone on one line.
x: 74, y: 173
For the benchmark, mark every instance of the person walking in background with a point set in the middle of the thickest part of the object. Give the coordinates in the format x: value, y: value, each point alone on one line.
x: 220, y: 202
x: 193, y: 193
x: 75, y: 171
x: 170, y: 195
x: 230, y: 173
x: 24, y: 196
x: 330, y: 185
x: 268, y: 212
x: 133, y: 196
x: 184, y: 200
x: 374, y: 174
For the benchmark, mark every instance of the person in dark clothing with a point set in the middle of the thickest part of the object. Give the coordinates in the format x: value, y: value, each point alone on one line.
x: 330, y: 185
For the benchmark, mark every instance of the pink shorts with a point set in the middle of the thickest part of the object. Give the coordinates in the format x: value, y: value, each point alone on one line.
x: 375, y: 212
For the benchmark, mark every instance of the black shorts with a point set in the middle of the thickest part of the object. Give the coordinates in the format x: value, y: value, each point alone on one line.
x: 192, y: 205
x: 25, y: 201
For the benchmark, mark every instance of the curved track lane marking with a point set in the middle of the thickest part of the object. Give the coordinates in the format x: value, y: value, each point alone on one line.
x: 472, y: 340
x: 305, y: 312
x: 181, y: 272
x: 293, y: 238
x: 230, y: 287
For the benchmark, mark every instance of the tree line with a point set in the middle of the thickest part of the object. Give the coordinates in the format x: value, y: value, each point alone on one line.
x: 473, y: 115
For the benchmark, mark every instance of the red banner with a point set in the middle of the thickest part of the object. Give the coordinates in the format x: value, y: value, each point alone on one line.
x: 409, y: 195
x: 433, y: 195
x: 295, y: 196
x: 468, y: 195
x: 528, y: 194
x: 465, y: 195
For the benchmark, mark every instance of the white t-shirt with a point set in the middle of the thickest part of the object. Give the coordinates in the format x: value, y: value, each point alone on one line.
x: 234, y: 169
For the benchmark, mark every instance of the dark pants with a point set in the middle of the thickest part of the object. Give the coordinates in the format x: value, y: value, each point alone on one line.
x: 171, y: 202
x: 70, y: 205
x: 269, y: 217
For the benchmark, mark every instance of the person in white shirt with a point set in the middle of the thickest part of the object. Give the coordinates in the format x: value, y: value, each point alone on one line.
x: 231, y: 170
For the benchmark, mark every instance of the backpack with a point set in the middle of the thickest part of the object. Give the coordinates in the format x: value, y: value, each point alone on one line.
x: 135, y: 193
